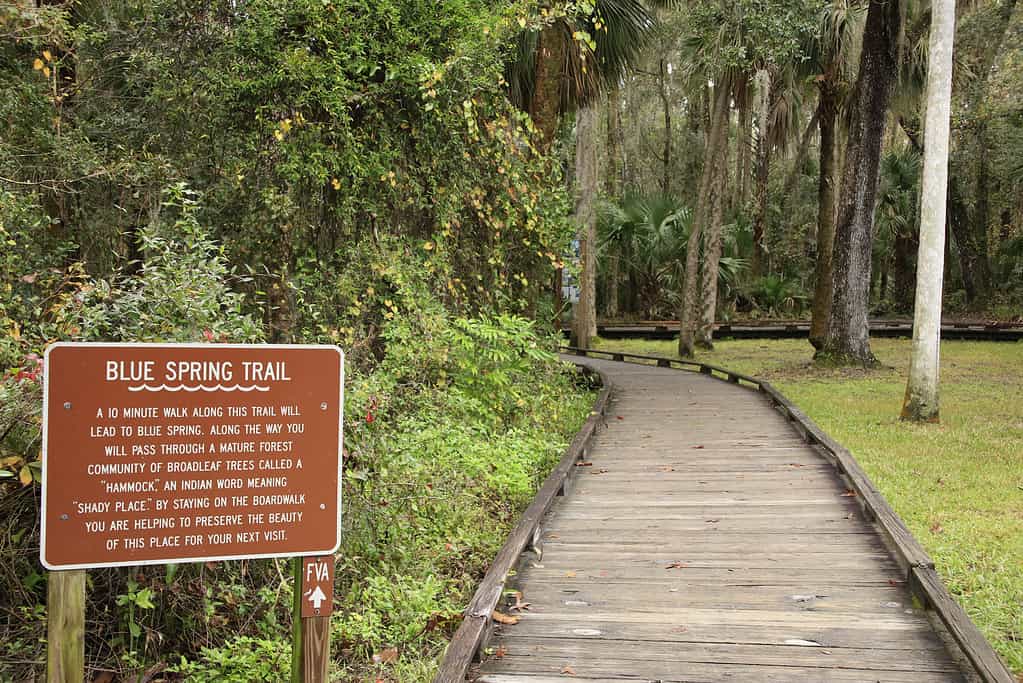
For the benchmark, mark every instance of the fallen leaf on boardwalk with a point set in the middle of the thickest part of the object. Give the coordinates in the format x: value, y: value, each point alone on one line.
x: 500, y: 652
x: 666, y: 468
x: 619, y: 417
x: 712, y: 521
x: 519, y: 606
x: 849, y: 493
x: 600, y: 471
x: 795, y: 464
x: 698, y: 446
x: 584, y: 464
x: 570, y: 574
x: 680, y: 629
x: 502, y: 618
x: 568, y: 670
x: 386, y: 656
x: 677, y: 565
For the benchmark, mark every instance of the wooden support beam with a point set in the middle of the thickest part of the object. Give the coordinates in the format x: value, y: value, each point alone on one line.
x: 65, y: 627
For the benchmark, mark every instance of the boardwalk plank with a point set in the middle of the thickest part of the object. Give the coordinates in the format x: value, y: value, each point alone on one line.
x: 704, y: 540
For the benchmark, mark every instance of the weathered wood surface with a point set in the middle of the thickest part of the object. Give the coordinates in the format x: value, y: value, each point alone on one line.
x: 65, y: 630
x: 705, y: 540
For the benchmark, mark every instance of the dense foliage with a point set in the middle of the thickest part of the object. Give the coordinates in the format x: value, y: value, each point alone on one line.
x: 784, y: 54
x: 348, y: 172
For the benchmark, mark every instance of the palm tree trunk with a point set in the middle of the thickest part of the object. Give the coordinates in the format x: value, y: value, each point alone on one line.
x: 613, y: 180
x: 712, y: 248
x: 743, y: 143
x: 801, y: 153
x: 921, y: 402
x: 688, y: 314
x: 848, y: 339
x: 584, y: 323
x: 545, y: 107
x: 666, y: 104
x: 828, y: 110
x: 769, y: 92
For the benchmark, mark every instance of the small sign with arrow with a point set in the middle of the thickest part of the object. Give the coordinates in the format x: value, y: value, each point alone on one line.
x: 317, y: 586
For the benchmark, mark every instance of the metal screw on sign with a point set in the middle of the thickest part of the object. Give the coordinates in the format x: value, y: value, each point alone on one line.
x: 323, y: 406
x: 67, y: 405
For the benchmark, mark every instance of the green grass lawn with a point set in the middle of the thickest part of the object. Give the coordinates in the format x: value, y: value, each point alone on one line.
x: 957, y: 485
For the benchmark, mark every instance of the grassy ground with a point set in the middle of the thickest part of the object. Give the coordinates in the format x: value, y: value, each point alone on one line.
x: 957, y: 485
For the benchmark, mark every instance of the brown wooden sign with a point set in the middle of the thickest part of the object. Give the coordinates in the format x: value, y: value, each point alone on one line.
x: 317, y: 586
x: 157, y: 453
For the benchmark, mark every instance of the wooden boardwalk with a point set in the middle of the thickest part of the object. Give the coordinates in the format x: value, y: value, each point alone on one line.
x: 704, y: 540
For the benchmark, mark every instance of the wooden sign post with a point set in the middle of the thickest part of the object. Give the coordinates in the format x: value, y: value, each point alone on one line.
x: 161, y: 453
x: 314, y: 603
x: 65, y: 627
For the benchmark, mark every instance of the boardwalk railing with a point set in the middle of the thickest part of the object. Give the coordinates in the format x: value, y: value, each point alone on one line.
x: 917, y: 567
x: 476, y: 627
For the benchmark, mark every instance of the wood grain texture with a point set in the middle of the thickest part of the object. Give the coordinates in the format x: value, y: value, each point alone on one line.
x: 315, y: 649
x: 718, y: 534
x: 65, y: 627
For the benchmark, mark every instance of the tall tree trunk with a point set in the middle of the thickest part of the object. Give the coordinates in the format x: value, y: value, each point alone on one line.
x: 970, y: 258
x: 801, y: 153
x: 584, y: 323
x: 821, y: 315
x: 974, y: 267
x: 742, y: 142
x: 665, y: 92
x: 768, y: 89
x: 921, y: 402
x: 978, y: 259
x: 613, y: 189
x: 712, y: 246
x: 688, y: 314
x: 971, y: 235
x: 545, y: 106
x: 614, y: 180
x: 848, y: 339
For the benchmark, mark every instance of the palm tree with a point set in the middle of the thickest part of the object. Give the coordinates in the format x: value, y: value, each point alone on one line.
x: 921, y: 402
x: 556, y: 73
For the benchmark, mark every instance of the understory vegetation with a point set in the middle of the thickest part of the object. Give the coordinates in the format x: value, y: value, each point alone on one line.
x: 417, y: 182
x: 344, y: 173
x: 957, y: 486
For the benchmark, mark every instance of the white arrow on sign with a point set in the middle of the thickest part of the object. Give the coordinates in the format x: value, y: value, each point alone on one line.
x: 317, y: 597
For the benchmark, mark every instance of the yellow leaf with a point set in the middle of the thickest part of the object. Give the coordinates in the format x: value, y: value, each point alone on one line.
x: 336, y: 183
x: 279, y: 135
x: 46, y: 71
x: 37, y: 64
x: 25, y: 476
x: 428, y: 246
x: 522, y: 22
x: 47, y: 56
